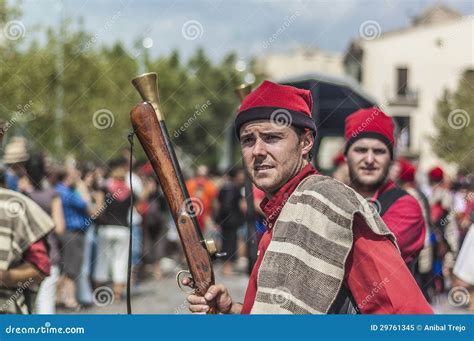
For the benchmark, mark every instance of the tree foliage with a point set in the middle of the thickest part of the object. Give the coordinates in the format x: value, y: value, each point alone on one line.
x: 72, y: 96
x: 454, y: 121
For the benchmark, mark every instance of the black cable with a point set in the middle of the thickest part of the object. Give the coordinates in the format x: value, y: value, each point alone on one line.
x: 129, y: 270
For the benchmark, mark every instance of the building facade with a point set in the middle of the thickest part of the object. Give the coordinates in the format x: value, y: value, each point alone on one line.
x: 408, y: 70
x: 300, y: 61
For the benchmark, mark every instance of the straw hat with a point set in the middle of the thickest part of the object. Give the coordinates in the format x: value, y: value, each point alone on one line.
x: 16, y: 151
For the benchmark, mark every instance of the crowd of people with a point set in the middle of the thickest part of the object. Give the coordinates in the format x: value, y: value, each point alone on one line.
x: 84, y: 245
x: 85, y: 239
x: 76, y: 233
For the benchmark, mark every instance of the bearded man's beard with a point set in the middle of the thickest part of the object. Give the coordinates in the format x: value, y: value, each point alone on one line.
x: 367, y: 187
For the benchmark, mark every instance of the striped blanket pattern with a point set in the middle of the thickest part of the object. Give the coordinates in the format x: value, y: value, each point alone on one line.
x: 22, y: 223
x: 303, y: 268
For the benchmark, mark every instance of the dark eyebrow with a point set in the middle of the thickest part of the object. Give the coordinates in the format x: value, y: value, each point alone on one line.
x: 264, y: 134
x: 246, y: 135
x: 268, y: 133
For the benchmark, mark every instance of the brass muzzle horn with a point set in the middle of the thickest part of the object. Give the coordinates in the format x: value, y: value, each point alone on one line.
x: 147, y: 86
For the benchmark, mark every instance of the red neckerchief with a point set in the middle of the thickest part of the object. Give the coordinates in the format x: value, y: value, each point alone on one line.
x: 273, y: 206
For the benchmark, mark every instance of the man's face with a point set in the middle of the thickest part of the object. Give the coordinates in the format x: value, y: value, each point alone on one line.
x: 369, y: 162
x: 272, y: 153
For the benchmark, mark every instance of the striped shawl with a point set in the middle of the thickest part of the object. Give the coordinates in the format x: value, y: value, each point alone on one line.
x: 303, y: 268
x: 22, y: 223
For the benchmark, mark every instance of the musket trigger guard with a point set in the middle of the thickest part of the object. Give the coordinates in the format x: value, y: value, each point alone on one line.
x: 179, y: 281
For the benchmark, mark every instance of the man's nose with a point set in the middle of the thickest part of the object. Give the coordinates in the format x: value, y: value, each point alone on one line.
x: 259, y: 148
x: 369, y: 157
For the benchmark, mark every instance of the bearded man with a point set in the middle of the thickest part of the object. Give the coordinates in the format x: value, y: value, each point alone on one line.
x: 369, y: 151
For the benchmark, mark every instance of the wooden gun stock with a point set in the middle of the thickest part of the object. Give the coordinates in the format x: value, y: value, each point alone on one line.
x: 154, y: 139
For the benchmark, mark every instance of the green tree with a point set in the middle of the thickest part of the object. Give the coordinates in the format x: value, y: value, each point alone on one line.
x: 97, y: 95
x: 91, y: 84
x: 454, y: 121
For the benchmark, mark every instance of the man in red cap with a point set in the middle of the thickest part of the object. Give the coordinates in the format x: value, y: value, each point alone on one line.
x: 369, y: 149
x: 323, y: 250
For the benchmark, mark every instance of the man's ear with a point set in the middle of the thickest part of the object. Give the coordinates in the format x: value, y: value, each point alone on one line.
x: 307, y: 142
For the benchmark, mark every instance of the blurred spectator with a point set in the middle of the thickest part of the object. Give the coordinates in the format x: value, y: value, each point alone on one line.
x: 441, y: 199
x: 49, y: 200
x: 25, y: 261
x: 113, y: 231
x: 155, y: 226
x: 89, y: 185
x: 230, y: 217
x: 258, y: 196
x: 202, y: 192
x: 441, y: 205
x: 15, y: 156
x: 464, y: 267
x: 341, y: 171
x: 77, y: 208
x: 424, y: 265
x: 136, y: 185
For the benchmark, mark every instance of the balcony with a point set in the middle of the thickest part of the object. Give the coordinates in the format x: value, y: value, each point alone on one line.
x: 408, y: 98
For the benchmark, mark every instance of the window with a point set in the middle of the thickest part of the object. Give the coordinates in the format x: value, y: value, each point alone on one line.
x: 402, y: 81
x: 403, y: 132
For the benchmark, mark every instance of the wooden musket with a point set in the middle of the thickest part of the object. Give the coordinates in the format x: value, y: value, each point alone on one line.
x: 149, y: 126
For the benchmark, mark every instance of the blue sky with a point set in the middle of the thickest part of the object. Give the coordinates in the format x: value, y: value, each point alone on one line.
x: 248, y: 27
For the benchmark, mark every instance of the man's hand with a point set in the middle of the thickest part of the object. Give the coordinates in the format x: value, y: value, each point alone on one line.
x: 224, y: 304
x: 23, y: 274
